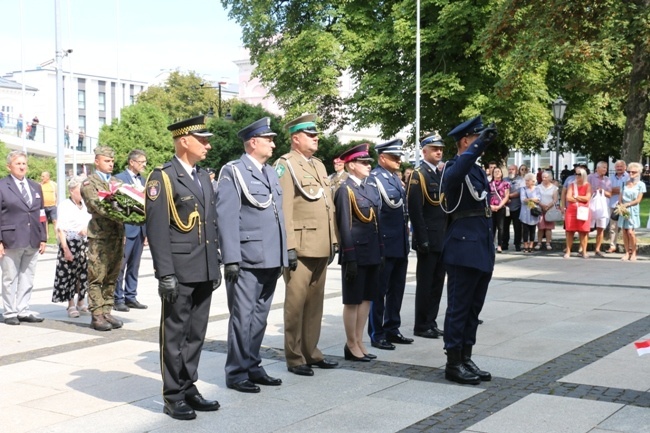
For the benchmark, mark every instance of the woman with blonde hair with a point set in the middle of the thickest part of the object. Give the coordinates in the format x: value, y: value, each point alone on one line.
x: 578, y: 195
x: 548, y: 193
x: 530, y: 197
x: 631, y: 195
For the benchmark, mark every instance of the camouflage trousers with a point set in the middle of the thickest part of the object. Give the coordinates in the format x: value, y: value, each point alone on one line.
x: 104, y: 261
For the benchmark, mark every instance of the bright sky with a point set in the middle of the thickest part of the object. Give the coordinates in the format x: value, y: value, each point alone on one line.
x: 150, y: 37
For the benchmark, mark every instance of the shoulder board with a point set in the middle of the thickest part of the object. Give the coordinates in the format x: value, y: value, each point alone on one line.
x: 371, y: 183
x: 286, y: 156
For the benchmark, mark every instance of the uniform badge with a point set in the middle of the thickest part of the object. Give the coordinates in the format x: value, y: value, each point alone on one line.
x: 385, y: 175
x: 153, y: 189
x: 414, y: 181
x: 280, y: 169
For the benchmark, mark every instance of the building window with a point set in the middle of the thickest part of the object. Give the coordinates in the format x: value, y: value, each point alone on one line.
x: 102, y: 101
x: 102, y: 121
x: 131, y: 100
x: 82, y: 99
x: 82, y: 122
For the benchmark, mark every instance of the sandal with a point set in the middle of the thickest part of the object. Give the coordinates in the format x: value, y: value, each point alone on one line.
x: 548, y: 247
x: 83, y: 309
x: 72, y: 312
x: 599, y: 254
x: 611, y: 250
x: 567, y: 255
x: 537, y: 247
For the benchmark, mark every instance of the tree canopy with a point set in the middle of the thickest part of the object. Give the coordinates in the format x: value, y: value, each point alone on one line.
x: 506, y: 59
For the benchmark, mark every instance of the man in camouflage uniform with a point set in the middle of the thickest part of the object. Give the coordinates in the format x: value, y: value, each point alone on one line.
x: 105, y: 243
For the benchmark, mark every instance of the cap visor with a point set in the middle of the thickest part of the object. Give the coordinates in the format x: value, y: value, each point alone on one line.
x: 267, y: 134
x: 202, y: 134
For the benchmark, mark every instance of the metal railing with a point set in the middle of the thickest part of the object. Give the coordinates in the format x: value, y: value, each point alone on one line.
x: 48, y: 136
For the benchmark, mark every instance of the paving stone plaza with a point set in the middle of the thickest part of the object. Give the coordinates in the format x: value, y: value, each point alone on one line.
x: 558, y: 339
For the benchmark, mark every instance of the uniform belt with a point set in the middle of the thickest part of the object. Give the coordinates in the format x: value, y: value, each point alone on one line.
x: 485, y: 212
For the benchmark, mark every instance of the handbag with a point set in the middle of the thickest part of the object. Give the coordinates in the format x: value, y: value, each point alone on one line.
x: 535, y: 211
x: 553, y: 214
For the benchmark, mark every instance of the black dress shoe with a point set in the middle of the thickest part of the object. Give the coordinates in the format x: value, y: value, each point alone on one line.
x: 349, y: 356
x: 30, y: 319
x: 245, y: 386
x: 325, y: 364
x: 12, y: 321
x: 301, y: 370
x: 398, y: 339
x: 120, y: 306
x: 135, y: 304
x: 267, y: 380
x: 429, y: 333
x: 197, y: 402
x: 382, y: 344
x: 179, y: 410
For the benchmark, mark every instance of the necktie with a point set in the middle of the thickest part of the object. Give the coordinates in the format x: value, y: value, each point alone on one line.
x: 25, y: 195
x: 196, y: 179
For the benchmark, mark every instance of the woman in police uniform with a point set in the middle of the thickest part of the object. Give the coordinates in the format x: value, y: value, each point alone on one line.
x: 360, y: 247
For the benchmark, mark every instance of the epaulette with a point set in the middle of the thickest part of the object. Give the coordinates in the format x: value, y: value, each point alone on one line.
x: 286, y: 156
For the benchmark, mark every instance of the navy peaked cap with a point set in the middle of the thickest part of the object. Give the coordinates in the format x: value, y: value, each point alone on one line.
x: 469, y: 127
x: 259, y: 128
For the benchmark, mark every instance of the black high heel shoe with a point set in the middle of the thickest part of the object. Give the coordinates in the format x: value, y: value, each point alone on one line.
x: 349, y: 356
x: 370, y: 356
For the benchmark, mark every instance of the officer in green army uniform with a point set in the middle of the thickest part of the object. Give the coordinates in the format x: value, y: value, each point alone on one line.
x: 105, y: 243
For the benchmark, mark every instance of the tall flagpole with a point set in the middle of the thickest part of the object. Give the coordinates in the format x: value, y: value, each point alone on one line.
x: 22, y: 77
x: 60, y: 146
x: 417, y: 86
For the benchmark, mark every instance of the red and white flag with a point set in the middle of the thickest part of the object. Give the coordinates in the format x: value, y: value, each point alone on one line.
x: 642, y: 347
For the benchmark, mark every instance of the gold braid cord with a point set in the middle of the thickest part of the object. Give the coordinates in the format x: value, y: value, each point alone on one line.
x: 192, y: 220
x: 354, y: 207
x: 425, y: 194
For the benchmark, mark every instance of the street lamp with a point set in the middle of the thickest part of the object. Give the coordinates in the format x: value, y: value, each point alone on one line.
x: 559, y: 107
x: 219, y: 84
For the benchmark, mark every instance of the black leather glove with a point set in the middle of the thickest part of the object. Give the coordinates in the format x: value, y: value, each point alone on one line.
x: 231, y: 272
x: 351, y: 271
x: 489, y: 134
x: 423, y: 248
x: 216, y: 283
x: 168, y: 288
x: 293, y: 260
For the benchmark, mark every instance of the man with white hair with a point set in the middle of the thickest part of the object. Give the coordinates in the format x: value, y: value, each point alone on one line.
x: 618, y: 180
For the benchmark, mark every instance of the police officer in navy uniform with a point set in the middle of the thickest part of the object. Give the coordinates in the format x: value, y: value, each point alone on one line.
x: 468, y: 251
x: 253, y: 243
x: 384, y: 320
x: 182, y: 233
x: 360, y: 247
x: 429, y: 222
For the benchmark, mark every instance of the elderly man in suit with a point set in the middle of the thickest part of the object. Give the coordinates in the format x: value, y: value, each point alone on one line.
x: 182, y: 233
x: 311, y: 237
x: 126, y: 288
x: 468, y: 252
x: 428, y: 221
x: 385, y: 320
x: 105, y: 243
x: 254, y: 248
x: 23, y: 235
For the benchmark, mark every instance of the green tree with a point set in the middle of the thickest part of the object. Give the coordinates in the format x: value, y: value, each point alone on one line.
x: 36, y: 164
x: 141, y: 126
x: 182, y: 96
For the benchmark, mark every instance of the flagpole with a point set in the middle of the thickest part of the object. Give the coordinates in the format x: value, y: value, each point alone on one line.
x: 417, y: 86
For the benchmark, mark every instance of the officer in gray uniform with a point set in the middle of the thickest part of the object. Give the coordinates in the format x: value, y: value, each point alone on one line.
x: 254, y: 248
x: 468, y: 251
x: 385, y: 320
x: 182, y: 233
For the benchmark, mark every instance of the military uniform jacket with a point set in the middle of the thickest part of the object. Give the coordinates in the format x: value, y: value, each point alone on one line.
x: 307, y: 205
x: 101, y: 225
x: 393, y: 220
x: 251, y: 235
x: 469, y: 241
x: 358, y: 241
x: 427, y: 217
x: 193, y: 256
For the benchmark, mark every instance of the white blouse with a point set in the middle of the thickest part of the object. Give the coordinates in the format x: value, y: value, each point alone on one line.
x: 70, y: 218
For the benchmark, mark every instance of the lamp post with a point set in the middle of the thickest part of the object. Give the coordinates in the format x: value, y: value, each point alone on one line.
x: 559, y: 107
x: 219, y: 84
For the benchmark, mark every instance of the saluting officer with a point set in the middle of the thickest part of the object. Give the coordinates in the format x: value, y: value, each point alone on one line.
x: 429, y: 222
x: 384, y: 321
x: 254, y: 248
x: 182, y: 233
x: 360, y: 247
x: 468, y: 252
x: 311, y: 237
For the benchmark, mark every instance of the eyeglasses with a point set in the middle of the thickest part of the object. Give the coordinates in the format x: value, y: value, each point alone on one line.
x: 142, y: 162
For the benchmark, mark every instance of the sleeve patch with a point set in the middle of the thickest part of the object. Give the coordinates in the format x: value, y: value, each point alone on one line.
x: 153, y: 189
x: 280, y: 169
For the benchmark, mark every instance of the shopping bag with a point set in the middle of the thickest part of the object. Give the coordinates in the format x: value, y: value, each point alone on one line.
x: 598, y: 206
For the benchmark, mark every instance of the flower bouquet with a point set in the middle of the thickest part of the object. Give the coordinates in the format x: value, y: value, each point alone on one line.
x: 622, y: 211
x: 124, y: 203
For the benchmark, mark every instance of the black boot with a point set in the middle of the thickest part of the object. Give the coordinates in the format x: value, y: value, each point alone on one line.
x: 485, y: 376
x: 456, y: 371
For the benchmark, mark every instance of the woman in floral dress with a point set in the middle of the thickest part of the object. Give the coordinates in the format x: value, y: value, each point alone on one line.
x: 630, y: 197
